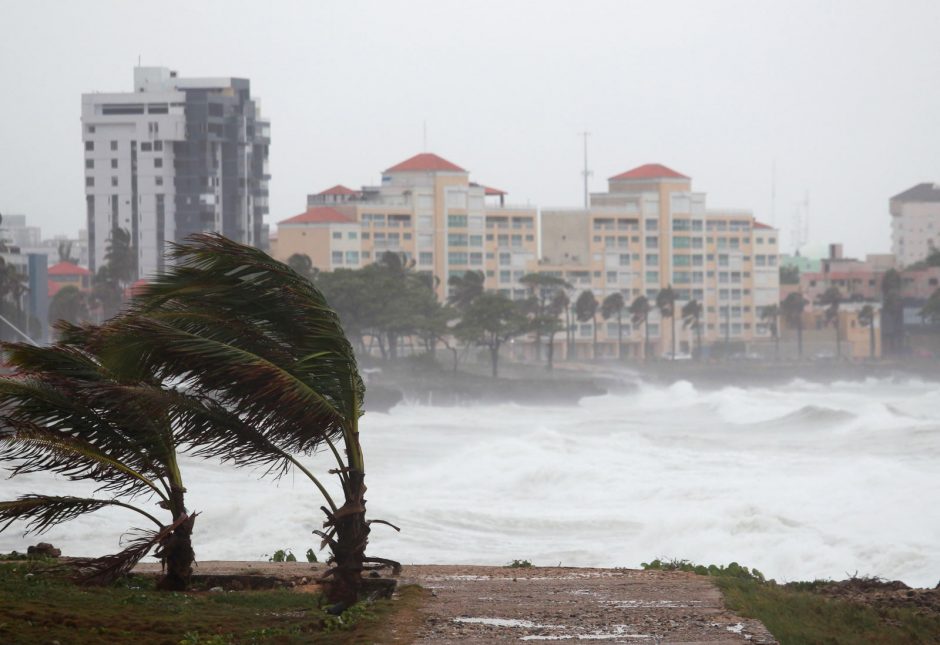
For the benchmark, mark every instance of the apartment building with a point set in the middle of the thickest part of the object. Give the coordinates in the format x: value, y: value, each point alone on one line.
x: 173, y: 157
x: 650, y: 230
x: 426, y: 209
x: 915, y: 223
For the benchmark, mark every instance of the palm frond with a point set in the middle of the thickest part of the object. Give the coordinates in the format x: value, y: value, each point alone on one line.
x: 42, y: 512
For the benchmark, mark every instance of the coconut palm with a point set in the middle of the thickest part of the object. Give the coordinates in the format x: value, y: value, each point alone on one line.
x: 613, y: 306
x: 639, y: 315
x: 792, y: 309
x: 692, y: 317
x: 866, y: 318
x: 832, y: 300
x: 585, y: 309
x: 542, y: 289
x: 666, y: 303
x: 244, y: 330
x: 559, y: 304
x: 769, y: 315
x: 465, y: 288
x: 65, y: 412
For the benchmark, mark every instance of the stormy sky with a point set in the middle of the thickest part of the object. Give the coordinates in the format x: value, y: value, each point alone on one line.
x: 842, y: 97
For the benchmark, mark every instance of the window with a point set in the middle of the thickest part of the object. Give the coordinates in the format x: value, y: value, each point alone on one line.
x: 352, y: 235
x: 89, y: 182
x: 146, y: 146
x: 89, y: 146
x: 505, y: 276
x: 158, y: 181
x: 158, y: 146
x: 760, y: 260
x: 652, y: 276
x: 456, y: 239
x: 114, y: 145
x: 476, y: 258
x: 337, y: 257
x: 157, y: 162
x: 89, y: 164
x: 651, y: 224
x: 722, y: 260
x: 624, y: 259
x: 476, y: 240
x: 456, y: 258
x: 502, y: 240
x: 611, y: 276
x: 681, y: 225
x: 652, y: 241
x: 424, y: 257
x: 681, y: 242
x: 681, y: 260
x: 114, y: 181
x: 652, y: 259
x: 505, y: 258
x: 517, y: 240
x: 352, y: 257
x: 457, y: 221
x: 406, y: 236
x: 697, y: 260
x: 696, y: 243
x: 366, y: 255
x: 337, y: 235
x: 366, y: 235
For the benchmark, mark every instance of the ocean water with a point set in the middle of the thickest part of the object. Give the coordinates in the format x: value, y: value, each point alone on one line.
x: 801, y: 481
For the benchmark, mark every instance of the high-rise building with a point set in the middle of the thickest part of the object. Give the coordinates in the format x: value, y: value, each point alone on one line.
x: 173, y: 157
x: 915, y: 223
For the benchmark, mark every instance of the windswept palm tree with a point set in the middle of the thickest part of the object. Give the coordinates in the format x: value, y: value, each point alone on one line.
x: 246, y: 331
x: 639, y: 315
x: 866, y: 318
x: 666, y: 303
x: 792, y: 308
x: 613, y: 306
x: 65, y: 412
x: 692, y: 317
x: 770, y: 315
x: 585, y: 308
x: 465, y: 288
x: 832, y: 300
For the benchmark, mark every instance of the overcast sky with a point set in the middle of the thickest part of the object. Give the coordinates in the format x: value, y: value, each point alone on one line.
x: 843, y: 97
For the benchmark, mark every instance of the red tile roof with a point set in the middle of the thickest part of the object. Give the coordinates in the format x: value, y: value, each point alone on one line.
x: 426, y: 161
x: 493, y: 191
x: 338, y: 189
x: 761, y: 225
x: 68, y: 268
x: 318, y: 215
x: 650, y: 171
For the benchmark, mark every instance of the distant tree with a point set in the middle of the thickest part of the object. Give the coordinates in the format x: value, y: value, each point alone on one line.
x: 866, y: 318
x: 303, y: 265
x: 640, y: 315
x: 892, y: 312
x: 489, y: 321
x: 832, y: 300
x: 65, y: 252
x: 555, y: 308
x: 13, y: 287
x: 770, y: 315
x: 692, y: 317
x: 464, y: 289
x: 613, y: 306
x: 789, y: 275
x: 666, y: 303
x: 69, y: 304
x: 930, y: 312
x: 933, y: 258
x: 792, y: 309
x: 121, y: 257
x: 542, y: 289
x: 585, y: 309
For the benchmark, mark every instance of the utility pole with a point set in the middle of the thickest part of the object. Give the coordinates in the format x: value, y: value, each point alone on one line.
x: 586, y: 173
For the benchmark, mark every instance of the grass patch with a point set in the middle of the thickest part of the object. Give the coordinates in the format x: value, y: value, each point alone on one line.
x: 37, y: 606
x: 796, y: 616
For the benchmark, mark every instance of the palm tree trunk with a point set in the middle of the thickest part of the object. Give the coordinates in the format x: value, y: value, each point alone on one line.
x: 551, y: 351
x: 799, y: 338
x: 594, y: 326
x: 673, y: 319
x: 494, y: 359
x: 838, y: 339
x: 871, y: 339
x: 619, y: 336
x: 176, y: 551
x: 646, y: 337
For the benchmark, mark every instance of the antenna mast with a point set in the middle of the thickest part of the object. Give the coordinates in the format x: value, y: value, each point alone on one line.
x: 586, y: 173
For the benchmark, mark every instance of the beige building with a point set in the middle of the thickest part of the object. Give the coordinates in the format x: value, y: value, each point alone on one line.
x: 915, y: 223
x: 427, y: 209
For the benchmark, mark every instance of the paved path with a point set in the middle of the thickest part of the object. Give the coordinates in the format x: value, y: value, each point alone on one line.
x: 496, y: 605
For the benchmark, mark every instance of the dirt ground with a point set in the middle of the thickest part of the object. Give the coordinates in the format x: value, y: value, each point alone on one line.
x: 472, y: 604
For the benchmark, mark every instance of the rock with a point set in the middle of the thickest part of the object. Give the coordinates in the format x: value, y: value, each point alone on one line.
x: 43, y: 550
x: 216, y: 590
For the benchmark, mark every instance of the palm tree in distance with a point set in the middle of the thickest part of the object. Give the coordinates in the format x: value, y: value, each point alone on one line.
x: 465, y: 288
x: 613, y: 306
x: 640, y: 315
x: 866, y: 318
x: 666, y: 303
x: 792, y: 308
x: 585, y: 309
x: 246, y: 331
x: 692, y: 317
x: 770, y: 315
x: 832, y: 300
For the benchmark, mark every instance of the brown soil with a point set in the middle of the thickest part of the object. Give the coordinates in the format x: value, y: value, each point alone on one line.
x: 497, y: 604
x: 879, y: 593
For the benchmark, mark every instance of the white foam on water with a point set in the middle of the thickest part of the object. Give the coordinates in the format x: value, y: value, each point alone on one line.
x: 802, y: 481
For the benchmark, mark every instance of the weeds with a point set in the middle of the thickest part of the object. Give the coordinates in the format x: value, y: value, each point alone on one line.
x: 519, y: 564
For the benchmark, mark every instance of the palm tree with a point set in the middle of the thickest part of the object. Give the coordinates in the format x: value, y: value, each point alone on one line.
x: 65, y: 412
x: 303, y: 265
x: 585, y: 309
x: 465, y: 288
x: 866, y: 317
x: 69, y: 304
x: 692, y: 317
x: 613, y: 305
x: 832, y: 299
x: 555, y: 308
x: 542, y: 289
x: 770, y: 314
x: 246, y: 331
x: 639, y: 315
x: 666, y: 303
x: 491, y: 320
x: 892, y: 312
x: 792, y: 308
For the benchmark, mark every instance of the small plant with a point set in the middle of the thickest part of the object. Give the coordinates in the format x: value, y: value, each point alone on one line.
x: 519, y: 564
x: 733, y: 570
x: 283, y: 555
x: 311, y: 556
x: 348, y: 619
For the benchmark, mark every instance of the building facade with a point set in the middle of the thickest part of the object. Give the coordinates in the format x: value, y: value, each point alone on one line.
x: 915, y: 223
x: 173, y: 157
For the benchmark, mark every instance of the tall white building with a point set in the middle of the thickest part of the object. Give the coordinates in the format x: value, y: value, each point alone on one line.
x: 915, y: 223
x: 173, y: 157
